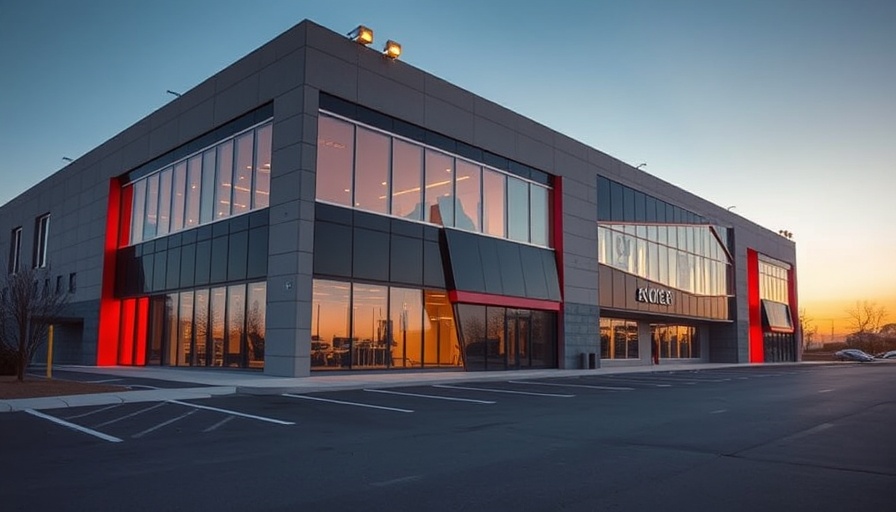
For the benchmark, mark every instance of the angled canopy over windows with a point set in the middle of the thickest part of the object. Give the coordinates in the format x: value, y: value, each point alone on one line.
x: 776, y: 317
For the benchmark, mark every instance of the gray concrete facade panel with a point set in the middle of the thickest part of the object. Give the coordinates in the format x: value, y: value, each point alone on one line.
x: 391, y: 97
x: 444, y: 117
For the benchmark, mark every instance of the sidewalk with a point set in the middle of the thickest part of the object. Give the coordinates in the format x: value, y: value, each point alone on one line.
x: 230, y: 382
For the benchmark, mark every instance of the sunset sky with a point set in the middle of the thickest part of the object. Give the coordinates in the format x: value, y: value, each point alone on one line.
x: 784, y: 110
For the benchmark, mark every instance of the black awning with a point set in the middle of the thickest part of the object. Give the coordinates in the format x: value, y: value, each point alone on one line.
x: 776, y: 317
x: 484, y: 264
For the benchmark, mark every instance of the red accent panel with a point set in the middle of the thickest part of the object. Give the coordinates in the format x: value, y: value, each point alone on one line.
x: 142, y: 329
x: 126, y: 337
x: 757, y: 352
x: 502, y: 300
x: 557, y: 239
x: 110, y: 307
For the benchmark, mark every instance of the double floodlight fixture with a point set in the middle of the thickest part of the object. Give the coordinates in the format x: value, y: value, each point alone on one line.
x: 364, y: 36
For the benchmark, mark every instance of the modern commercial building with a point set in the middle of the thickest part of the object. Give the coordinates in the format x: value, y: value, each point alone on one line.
x: 319, y: 206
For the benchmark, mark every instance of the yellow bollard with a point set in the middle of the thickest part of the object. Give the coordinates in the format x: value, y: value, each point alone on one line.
x: 50, y: 353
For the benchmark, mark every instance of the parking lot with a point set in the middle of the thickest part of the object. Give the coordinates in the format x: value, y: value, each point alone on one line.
x: 510, y: 443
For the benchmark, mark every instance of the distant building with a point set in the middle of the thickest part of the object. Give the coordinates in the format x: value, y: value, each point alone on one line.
x: 318, y: 206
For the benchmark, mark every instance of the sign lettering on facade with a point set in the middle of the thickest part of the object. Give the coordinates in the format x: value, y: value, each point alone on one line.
x: 654, y: 296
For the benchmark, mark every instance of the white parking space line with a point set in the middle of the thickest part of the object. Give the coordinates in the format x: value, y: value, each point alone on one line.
x: 341, y: 402
x: 160, y: 425
x: 126, y: 416
x: 719, y: 411
x: 79, y: 428
x: 642, y: 381
x: 435, y: 397
x: 586, y: 386
x: 103, y: 381
x: 234, y: 413
x: 825, y: 390
x: 490, y: 390
x: 93, y: 412
x: 218, y: 424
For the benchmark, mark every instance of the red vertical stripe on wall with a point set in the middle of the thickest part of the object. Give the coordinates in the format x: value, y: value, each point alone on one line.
x: 110, y: 307
x: 557, y: 242
x: 757, y: 351
x: 142, y: 328
x: 126, y: 335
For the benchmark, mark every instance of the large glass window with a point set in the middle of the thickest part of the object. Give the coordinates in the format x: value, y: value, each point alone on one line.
x: 618, y: 339
x: 468, y: 193
x: 330, y: 324
x: 440, y: 347
x: 773, y: 280
x: 372, y: 171
x: 517, y: 209
x: 138, y: 209
x: 185, y: 329
x: 201, y: 327
x: 262, y: 185
x: 152, y: 207
x: 493, y: 200
x: 195, y: 191
x: 335, y: 160
x: 218, y: 307
x: 369, y: 325
x: 407, y: 180
x: 164, y: 202
x: 439, y: 189
x: 236, y: 325
x: 242, y: 174
x: 224, y: 181
x: 406, y: 327
x: 675, y: 341
x: 178, y: 198
x: 203, y: 184
x: 15, y: 249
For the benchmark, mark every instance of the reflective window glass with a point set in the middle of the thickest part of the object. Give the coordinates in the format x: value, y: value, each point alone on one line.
x: 194, y: 191
x: 517, y: 209
x: 406, y: 327
x: 200, y: 327
x: 371, y: 171
x: 439, y: 188
x: 261, y: 184
x: 330, y: 322
x: 407, y: 179
x: 335, y: 159
x: 152, y: 207
x: 539, y: 220
x: 469, y: 197
x: 185, y: 330
x: 138, y: 211
x: 177, y: 197
x: 236, y: 316
x: 255, y: 324
x: 369, y: 325
x: 204, y: 184
x: 224, y: 180
x: 440, y: 346
x: 493, y: 191
x: 164, y: 202
x: 242, y: 174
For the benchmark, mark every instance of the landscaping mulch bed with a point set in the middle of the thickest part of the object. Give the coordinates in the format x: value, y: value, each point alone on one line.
x: 34, y: 387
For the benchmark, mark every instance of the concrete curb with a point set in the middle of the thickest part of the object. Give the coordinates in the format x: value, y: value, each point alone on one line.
x: 118, y: 397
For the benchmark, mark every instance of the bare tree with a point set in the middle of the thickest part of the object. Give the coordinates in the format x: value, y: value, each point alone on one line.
x: 808, y: 328
x: 28, y: 307
x: 866, y: 317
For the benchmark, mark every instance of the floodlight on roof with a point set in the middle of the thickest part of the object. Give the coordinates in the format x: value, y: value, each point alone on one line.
x: 362, y: 35
x: 392, y: 49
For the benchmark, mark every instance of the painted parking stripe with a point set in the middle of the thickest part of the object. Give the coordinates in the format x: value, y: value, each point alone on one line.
x: 641, y: 381
x: 93, y: 412
x: 490, y: 390
x: 102, y: 381
x: 126, y: 416
x: 434, y: 397
x: 356, y: 404
x: 608, y: 388
x: 163, y: 424
x: 234, y: 413
x: 218, y: 424
x: 79, y: 428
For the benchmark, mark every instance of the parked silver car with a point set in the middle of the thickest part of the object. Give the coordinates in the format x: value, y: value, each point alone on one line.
x: 853, y: 354
x: 886, y: 355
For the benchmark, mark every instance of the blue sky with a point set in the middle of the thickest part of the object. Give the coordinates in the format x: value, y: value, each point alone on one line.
x: 784, y: 109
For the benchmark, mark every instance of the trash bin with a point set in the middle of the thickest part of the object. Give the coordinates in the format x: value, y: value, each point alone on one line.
x: 592, y: 360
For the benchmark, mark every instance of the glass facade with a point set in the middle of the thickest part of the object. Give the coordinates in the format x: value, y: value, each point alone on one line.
x: 498, y: 338
x: 774, y: 286
x: 377, y: 171
x: 221, y: 326
x: 230, y: 178
x: 618, y: 339
x: 685, y: 257
x: 773, y: 280
x: 15, y: 249
x: 358, y: 325
x: 42, y: 238
x: 675, y: 341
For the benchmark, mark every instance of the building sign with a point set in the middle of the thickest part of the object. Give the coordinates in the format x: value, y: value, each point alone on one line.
x: 654, y: 296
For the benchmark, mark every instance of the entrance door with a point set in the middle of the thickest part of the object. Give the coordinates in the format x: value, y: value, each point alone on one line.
x: 518, y: 340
